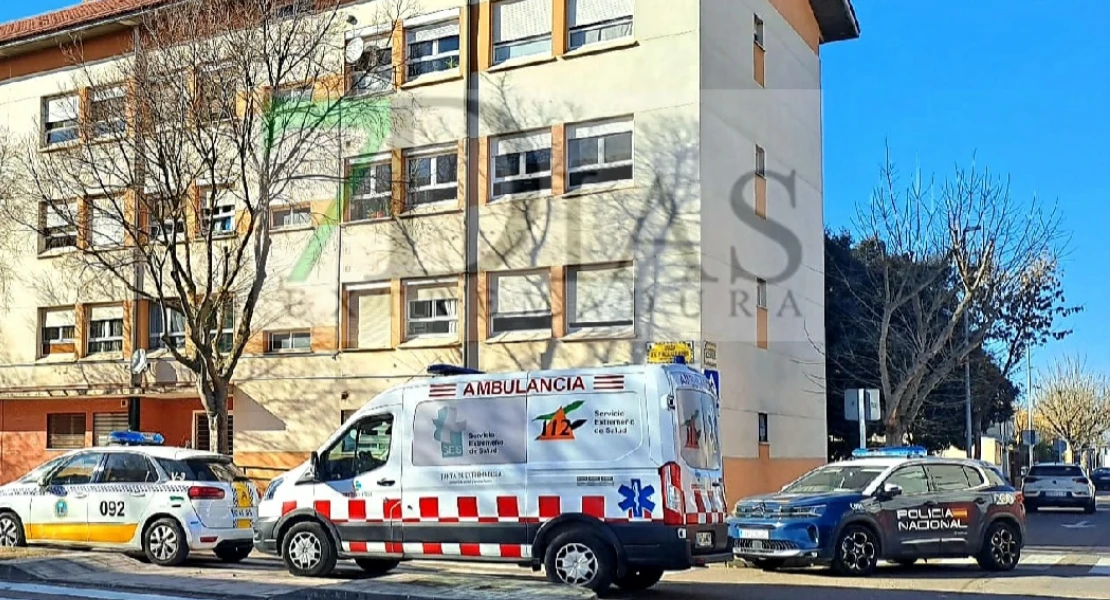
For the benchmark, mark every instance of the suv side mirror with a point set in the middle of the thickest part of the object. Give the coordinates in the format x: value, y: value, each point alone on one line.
x: 891, y: 490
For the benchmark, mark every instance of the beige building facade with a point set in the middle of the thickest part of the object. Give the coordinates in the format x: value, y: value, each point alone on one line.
x: 592, y: 176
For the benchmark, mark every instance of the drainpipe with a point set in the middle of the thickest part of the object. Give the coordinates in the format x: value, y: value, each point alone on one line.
x: 134, y: 402
x: 470, y: 216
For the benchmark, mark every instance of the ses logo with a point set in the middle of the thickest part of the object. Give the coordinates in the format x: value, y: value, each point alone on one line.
x: 932, y: 519
x: 449, y: 432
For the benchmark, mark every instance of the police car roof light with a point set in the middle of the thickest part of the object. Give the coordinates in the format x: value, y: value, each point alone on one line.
x: 135, y: 438
x: 445, y: 370
x: 901, y: 451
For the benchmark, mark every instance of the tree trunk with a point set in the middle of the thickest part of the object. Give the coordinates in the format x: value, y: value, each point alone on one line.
x: 895, y: 434
x: 215, y: 405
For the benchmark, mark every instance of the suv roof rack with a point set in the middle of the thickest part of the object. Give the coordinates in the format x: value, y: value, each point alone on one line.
x: 443, y: 370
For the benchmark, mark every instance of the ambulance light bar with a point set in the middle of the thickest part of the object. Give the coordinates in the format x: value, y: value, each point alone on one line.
x: 135, y: 438
x: 446, y: 370
x: 901, y: 451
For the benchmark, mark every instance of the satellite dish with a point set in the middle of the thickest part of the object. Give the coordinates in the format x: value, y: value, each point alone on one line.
x: 139, y: 362
x: 354, y: 50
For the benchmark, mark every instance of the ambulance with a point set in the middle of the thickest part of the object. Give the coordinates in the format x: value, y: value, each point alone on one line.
x: 600, y: 476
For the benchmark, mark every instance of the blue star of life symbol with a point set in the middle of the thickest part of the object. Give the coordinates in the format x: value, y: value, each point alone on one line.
x: 636, y: 498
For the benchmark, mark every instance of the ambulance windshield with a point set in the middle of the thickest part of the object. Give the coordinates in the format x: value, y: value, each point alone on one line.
x: 699, y: 435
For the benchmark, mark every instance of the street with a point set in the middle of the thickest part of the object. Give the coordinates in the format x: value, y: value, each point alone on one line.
x: 1068, y: 556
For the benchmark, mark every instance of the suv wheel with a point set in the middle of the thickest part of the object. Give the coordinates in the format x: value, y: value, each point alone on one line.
x: 1001, y: 549
x: 857, y: 552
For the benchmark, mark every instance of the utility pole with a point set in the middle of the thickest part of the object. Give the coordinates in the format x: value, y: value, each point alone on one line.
x: 1029, y: 400
x: 967, y: 389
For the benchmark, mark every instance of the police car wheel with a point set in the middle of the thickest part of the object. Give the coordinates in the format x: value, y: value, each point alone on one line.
x: 377, y: 566
x: 639, y: 579
x: 1001, y: 549
x: 11, y: 531
x: 164, y: 543
x: 580, y: 558
x: 857, y: 552
x: 308, y: 551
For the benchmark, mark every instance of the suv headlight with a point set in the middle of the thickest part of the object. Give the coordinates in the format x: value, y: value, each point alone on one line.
x: 272, y: 488
x: 808, y: 511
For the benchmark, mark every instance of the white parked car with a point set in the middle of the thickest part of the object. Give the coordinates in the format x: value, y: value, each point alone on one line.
x: 1058, y: 485
x: 134, y: 496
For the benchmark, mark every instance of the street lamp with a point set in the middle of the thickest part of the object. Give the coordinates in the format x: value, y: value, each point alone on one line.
x: 967, y: 369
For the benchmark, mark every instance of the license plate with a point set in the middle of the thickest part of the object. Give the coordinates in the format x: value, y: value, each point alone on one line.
x: 704, y: 539
x: 754, y: 534
x: 1055, y: 494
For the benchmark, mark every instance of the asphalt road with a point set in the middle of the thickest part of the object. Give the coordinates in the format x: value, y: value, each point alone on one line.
x: 1061, y: 530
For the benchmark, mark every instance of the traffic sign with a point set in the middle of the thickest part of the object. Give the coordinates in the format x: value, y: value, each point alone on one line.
x: 870, y: 403
x: 665, y: 352
x: 709, y: 355
x: 714, y: 376
x: 1029, y: 437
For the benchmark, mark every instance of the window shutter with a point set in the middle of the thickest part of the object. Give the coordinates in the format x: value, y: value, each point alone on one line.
x: 62, y: 109
x: 417, y: 293
x: 203, y: 439
x: 59, y: 318
x: 59, y: 216
x: 107, y: 227
x: 599, y: 129
x: 106, y: 313
x: 518, y: 19
x: 603, y: 295
x: 106, y: 423
x: 587, y: 12
x: 107, y: 94
x: 370, y: 319
x: 434, y: 32
x: 524, y: 143
x: 523, y: 293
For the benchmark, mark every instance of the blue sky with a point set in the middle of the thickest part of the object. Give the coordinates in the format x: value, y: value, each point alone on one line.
x: 1024, y: 86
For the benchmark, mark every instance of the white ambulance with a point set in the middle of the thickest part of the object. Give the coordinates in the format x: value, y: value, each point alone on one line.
x: 601, y: 476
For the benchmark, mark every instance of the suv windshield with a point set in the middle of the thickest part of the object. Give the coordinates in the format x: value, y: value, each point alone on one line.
x: 834, y: 479
x: 698, y: 429
x: 1056, y: 471
x: 202, y: 469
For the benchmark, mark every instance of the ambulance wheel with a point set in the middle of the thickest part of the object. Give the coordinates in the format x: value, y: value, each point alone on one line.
x: 857, y: 552
x: 307, y: 550
x: 1001, y: 548
x: 377, y: 566
x: 233, y: 554
x: 164, y: 543
x: 580, y: 558
x: 640, y: 579
x: 11, y: 531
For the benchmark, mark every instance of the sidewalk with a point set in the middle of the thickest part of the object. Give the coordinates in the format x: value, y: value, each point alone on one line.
x: 118, y: 572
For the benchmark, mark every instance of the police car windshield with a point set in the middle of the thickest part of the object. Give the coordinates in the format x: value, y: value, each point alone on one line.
x: 202, y: 469
x: 834, y: 479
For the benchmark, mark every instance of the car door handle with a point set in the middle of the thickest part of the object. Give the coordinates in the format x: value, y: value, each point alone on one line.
x: 79, y: 495
x: 386, y: 482
x: 138, y: 494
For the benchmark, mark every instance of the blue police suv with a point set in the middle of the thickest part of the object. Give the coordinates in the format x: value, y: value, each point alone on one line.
x: 893, y: 504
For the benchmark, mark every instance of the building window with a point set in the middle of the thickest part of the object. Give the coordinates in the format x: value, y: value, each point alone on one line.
x: 105, y: 423
x: 763, y: 437
x: 522, y: 164
x: 345, y: 415
x: 520, y: 302
x: 285, y: 217
x: 60, y: 119
x: 201, y: 438
x: 600, y: 296
x: 65, y: 431
x: 108, y: 110
x: 521, y: 28
x: 373, y: 71
x: 58, y: 331
x: 168, y: 322
x: 59, y: 221
x: 370, y: 183
x: 106, y: 223
x: 432, y: 310
x: 226, y: 333
x: 369, y: 316
x: 166, y: 221
x: 760, y: 161
x: 105, y: 329
x: 293, y: 96
x: 217, y: 92
x: 760, y: 293
x: 758, y: 31
x: 599, y: 153
x: 433, y: 177
x: 294, y: 8
x: 593, y: 21
x: 217, y: 210
x: 289, y: 341
x: 432, y: 49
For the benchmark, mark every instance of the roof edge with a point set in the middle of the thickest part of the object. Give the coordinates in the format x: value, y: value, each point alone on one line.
x: 836, y: 19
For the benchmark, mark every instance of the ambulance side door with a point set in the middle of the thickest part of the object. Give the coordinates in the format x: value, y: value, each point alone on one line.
x: 119, y: 497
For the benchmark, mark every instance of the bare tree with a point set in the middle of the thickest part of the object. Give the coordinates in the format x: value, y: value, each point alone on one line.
x: 942, y: 257
x: 1073, y: 404
x: 8, y: 190
x: 179, y: 155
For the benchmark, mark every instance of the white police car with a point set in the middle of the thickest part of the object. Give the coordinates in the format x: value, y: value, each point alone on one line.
x: 134, y: 495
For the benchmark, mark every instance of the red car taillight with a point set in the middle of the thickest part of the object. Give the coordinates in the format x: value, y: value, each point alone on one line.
x: 1082, y: 480
x: 674, y: 501
x: 203, y: 492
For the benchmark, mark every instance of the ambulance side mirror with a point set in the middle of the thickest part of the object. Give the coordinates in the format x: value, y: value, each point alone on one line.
x: 311, y: 474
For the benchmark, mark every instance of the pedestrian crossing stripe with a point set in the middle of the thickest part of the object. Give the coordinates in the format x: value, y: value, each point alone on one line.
x: 1102, y: 567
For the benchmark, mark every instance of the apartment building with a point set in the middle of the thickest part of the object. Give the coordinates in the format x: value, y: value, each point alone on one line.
x: 590, y: 177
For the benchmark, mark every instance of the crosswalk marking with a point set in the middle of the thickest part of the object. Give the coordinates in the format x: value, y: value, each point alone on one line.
x: 1040, y: 561
x: 74, y: 592
x: 1102, y: 567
